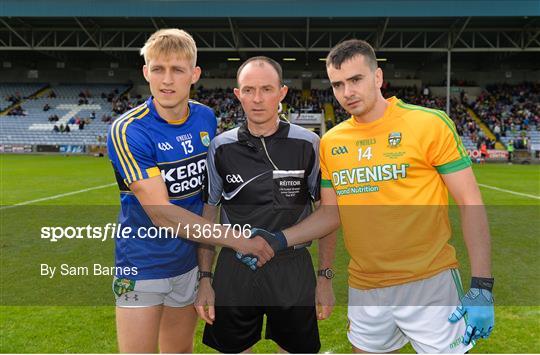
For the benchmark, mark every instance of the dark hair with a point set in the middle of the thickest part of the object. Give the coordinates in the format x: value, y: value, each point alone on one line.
x: 262, y: 58
x: 349, y: 49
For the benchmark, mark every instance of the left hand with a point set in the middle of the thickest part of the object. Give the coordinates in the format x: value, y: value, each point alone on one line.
x: 247, y: 259
x: 477, y: 304
x: 204, y: 302
x: 324, y: 298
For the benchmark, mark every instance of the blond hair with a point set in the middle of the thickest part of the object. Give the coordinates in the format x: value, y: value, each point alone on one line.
x: 170, y: 41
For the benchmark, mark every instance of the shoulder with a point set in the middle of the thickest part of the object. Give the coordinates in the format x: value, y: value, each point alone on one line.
x: 424, y: 117
x: 337, y: 131
x: 298, y: 132
x: 132, y: 122
x: 226, y: 137
x: 203, y: 112
x: 201, y: 109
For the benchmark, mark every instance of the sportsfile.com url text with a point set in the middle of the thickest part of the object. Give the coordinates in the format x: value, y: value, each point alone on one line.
x: 118, y: 231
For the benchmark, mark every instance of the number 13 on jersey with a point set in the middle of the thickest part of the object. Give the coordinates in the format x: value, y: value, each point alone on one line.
x: 188, y: 148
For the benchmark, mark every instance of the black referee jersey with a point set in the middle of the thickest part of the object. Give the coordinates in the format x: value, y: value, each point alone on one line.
x: 266, y: 182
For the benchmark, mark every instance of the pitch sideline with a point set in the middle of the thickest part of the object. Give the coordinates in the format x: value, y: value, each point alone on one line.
x: 112, y: 184
x: 57, y: 196
x: 510, y: 191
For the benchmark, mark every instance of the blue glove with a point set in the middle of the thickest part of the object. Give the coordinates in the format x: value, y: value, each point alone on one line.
x: 276, y: 240
x: 477, y: 304
x: 248, y: 260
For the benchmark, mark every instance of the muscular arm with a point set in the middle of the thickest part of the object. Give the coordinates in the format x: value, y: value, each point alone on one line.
x: 206, y: 253
x: 320, y: 223
x: 464, y: 189
x: 327, y: 248
x: 324, y: 293
x: 152, y: 194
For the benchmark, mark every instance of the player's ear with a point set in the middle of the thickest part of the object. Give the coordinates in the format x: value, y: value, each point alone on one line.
x: 379, y: 78
x: 283, y: 92
x: 196, y: 74
x: 145, y: 72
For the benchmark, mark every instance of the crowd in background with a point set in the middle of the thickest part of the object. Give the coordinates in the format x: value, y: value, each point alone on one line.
x: 513, y: 108
x: 502, y: 107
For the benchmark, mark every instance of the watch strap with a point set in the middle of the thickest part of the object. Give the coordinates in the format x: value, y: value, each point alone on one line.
x: 202, y: 274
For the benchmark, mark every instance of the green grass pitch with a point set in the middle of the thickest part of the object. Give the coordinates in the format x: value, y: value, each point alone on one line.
x: 38, y: 316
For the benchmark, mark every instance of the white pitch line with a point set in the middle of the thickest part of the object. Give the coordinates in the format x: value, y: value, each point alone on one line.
x: 57, y: 196
x: 510, y: 191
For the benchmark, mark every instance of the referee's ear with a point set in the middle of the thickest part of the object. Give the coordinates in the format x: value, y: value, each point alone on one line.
x: 283, y: 92
x: 196, y: 74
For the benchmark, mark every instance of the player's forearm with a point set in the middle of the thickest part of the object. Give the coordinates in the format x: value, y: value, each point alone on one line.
x: 327, y: 249
x: 210, y: 212
x: 206, y: 253
x: 320, y: 223
x: 477, y: 239
x: 205, y: 257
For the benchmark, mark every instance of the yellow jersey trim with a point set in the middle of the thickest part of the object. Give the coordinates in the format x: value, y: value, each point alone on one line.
x: 116, y: 142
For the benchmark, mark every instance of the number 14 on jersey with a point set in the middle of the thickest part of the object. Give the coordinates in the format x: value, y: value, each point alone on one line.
x: 364, y: 153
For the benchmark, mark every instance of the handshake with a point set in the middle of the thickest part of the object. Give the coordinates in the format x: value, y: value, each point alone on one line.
x: 276, y: 241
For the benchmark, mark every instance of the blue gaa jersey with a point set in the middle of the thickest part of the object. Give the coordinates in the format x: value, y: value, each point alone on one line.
x: 142, y: 145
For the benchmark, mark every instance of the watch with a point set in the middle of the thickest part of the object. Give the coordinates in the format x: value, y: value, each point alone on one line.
x: 328, y: 273
x: 202, y: 274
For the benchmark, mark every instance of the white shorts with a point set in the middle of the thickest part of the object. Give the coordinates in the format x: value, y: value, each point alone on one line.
x: 178, y: 291
x: 385, y: 319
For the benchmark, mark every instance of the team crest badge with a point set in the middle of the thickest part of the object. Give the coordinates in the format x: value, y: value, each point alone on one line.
x: 394, y: 139
x: 205, y: 138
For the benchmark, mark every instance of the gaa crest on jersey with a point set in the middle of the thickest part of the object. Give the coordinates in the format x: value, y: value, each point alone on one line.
x: 205, y: 138
x: 394, y: 139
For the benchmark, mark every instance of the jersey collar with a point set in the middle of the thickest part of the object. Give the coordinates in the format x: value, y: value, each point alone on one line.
x: 245, y: 135
x: 392, y: 104
x: 150, y: 104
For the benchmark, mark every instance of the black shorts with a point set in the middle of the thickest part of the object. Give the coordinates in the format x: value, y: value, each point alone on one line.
x: 283, y: 289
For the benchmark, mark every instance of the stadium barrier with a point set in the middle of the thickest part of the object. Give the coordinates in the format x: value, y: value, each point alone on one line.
x: 79, y: 149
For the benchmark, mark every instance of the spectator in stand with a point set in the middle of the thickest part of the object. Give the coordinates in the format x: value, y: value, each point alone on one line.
x: 17, y: 111
x: 497, y: 131
x: 46, y: 107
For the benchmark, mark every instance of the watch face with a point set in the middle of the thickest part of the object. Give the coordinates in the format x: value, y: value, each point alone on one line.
x: 328, y: 273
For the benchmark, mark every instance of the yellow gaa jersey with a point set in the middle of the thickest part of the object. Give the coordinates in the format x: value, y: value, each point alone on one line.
x: 393, y: 202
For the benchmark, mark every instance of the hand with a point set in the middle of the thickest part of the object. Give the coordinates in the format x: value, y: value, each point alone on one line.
x: 477, y: 304
x: 248, y: 260
x: 276, y: 240
x: 204, y: 302
x: 255, y: 253
x: 324, y: 298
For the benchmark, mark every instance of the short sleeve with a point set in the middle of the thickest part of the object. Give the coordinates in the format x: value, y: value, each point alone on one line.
x: 314, y: 177
x: 326, y: 180
x: 131, y: 152
x: 446, y: 151
x: 214, y: 181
